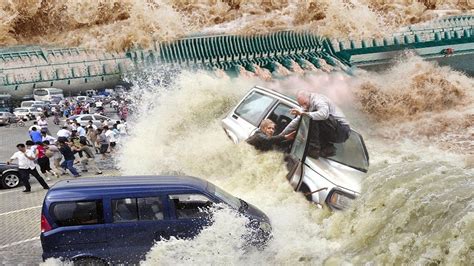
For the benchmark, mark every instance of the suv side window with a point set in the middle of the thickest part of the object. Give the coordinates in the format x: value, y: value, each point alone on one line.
x: 281, y: 116
x: 254, y: 107
x: 137, y: 209
x: 191, y: 205
x: 87, y: 118
x: 77, y: 213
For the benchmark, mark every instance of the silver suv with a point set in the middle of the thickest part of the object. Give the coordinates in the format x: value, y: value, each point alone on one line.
x: 333, y: 181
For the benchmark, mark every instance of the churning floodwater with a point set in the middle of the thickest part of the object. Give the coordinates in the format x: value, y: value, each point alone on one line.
x: 416, y: 205
x: 417, y: 119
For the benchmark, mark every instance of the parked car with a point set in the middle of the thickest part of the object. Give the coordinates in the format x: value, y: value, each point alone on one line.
x: 116, y: 220
x: 9, y: 176
x: 96, y: 119
x: 25, y: 104
x: 26, y: 113
x: 332, y: 181
x: 5, y: 118
x: 43, y: 108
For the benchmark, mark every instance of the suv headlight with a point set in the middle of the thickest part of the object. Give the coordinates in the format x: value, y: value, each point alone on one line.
x: 340, y: 200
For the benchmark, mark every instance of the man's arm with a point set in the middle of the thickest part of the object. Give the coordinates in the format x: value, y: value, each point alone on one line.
x: 291, y: 126
x: 321, y: 110
x: 12, y: 158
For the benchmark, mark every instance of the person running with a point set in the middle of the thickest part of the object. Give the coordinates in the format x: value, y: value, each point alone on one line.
x: 26, y: 167
x: 43, y: 160
x: 35, y: 135
x: 43, y: 124
x: 103, y: 143
x: 63, y: 133
x: 89, y: 159
x: 52, y: 151
x: 46, y: 137
x: 68, y: 155
x: 92, y: 137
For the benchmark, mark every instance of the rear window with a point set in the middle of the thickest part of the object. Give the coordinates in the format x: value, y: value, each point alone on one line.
x: 254, y: 107
x: 77, y: 213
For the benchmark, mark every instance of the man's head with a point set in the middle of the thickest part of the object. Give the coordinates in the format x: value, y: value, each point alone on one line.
x: 29, y: 143
x: 302, y: 97
x: 21, y: 147
x: 267, y: 127
x: 33, y: 129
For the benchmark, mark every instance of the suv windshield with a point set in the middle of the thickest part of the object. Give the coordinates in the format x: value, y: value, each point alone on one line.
x: 351, y: 153
x: 254, y: 107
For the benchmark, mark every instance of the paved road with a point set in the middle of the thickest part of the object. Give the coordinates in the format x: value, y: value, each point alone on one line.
x: 20, y: 213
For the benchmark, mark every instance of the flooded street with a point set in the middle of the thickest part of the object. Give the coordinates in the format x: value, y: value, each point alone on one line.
x: 416, y: 206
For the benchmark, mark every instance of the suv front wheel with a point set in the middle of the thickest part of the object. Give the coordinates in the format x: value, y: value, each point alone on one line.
x: 10, y: 180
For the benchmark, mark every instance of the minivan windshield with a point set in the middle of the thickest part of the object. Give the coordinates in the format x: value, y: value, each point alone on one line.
x: 227, y: 198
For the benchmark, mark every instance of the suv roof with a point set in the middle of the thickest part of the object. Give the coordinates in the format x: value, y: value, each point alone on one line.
x: 278, y: 94
x: 121, y: 183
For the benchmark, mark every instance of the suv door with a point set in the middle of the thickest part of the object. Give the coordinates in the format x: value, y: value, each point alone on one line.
x: 298, y: 153
x: 135, y: 222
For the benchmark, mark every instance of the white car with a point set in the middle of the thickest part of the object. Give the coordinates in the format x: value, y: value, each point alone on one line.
x: 26, y: 112
x: 333, y: 181
x: 96, y: 119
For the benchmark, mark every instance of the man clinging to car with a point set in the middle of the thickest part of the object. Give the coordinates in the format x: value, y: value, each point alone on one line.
x: 329, y: 125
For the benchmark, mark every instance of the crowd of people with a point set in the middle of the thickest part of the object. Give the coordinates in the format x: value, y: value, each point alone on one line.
x: 73, y: 144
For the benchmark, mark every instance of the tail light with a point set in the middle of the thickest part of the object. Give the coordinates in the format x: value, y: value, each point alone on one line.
x: 45, y: 227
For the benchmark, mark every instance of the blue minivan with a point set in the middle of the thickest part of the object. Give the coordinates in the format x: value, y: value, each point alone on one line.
x: 118, y: 219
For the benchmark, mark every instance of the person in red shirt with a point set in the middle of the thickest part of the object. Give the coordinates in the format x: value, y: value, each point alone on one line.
x: 43, y: 160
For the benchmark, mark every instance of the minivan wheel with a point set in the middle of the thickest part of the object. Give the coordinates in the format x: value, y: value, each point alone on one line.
x: 88, y: 261
x: 10, y: 180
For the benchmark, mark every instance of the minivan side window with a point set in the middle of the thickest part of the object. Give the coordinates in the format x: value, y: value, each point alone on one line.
x: 137, y: 209
x: 191, y: 205
x: 77, y: 213
x: 254, y: 107
x: 150, y: 209
x: 124, y: 210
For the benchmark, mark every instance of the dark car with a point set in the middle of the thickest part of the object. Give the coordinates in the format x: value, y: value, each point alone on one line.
x: 9, y: 175
x: 117, y: 220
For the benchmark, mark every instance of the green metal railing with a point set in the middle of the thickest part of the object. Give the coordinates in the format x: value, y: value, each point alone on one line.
x: 441, y: 38
x: 450, y: 36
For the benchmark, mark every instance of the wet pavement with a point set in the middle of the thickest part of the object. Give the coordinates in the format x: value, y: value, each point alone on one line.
x: 20, y: 213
